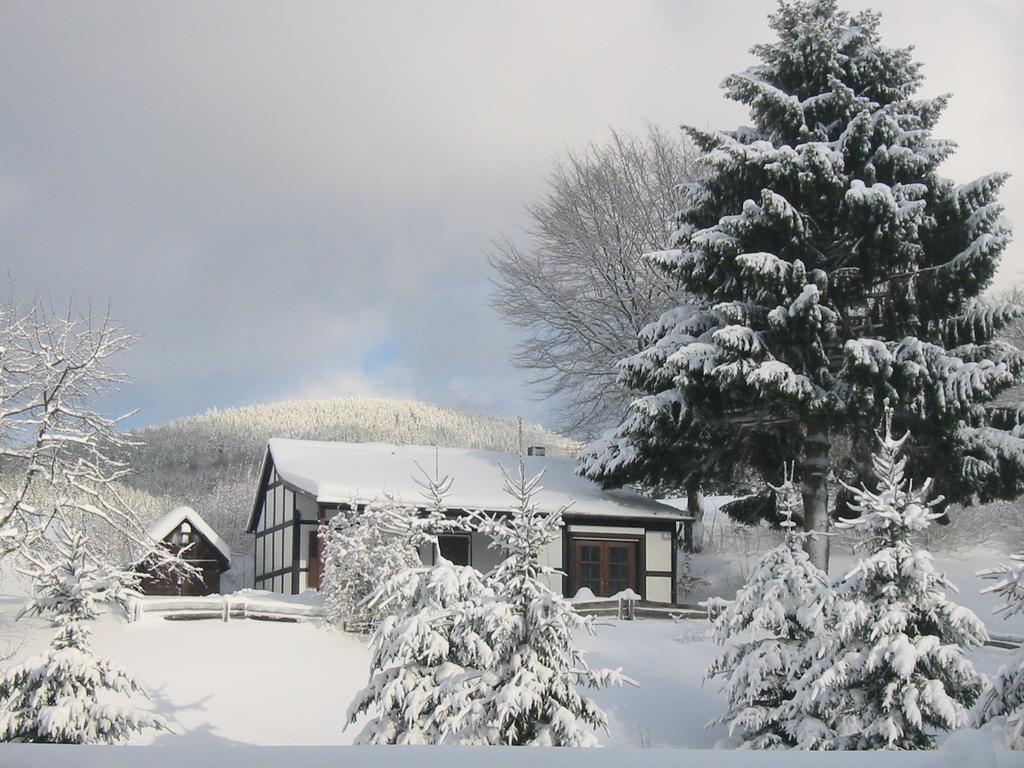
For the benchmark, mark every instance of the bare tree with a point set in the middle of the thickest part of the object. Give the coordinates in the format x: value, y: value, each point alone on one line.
x: 580, y: 289
x: 61, y: 460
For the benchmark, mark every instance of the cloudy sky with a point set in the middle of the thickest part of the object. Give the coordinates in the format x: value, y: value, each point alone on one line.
x: 296, y: 199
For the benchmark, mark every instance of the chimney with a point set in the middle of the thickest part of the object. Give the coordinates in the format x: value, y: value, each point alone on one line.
x: 535, y: 450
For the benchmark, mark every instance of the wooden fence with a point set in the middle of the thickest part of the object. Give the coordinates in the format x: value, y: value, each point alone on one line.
x: 234, y: 607
x: 222, y: 607
x: 645, y: 609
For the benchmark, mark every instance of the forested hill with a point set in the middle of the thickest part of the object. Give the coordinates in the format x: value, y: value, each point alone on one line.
x: 210, y: 461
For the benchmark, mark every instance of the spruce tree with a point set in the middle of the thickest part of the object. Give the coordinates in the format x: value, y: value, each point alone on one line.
x: 834, y: 267
x: 529, y: 693
x: 1005, y: 696
x: 426, y: 649
x: 893, y: 671
x: 766, y: 630
x: 55, y: 696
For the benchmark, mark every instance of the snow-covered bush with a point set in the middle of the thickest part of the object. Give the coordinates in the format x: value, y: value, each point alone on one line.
x: 424, y: 653
x: 766, y: 630
x: 529, y: 693
x: 1005, y: 697
x: 893, y: 671
x: 363, y: 547
x: 63, y: 694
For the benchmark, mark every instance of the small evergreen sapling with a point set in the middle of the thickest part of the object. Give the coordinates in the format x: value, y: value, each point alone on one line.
x: 893, y: 671
x: 424, y: 653
x: 530, y: 693
x: 1005, y: 697
x: 55, y: 696
x: 766, y: 630
x: 362, y: 549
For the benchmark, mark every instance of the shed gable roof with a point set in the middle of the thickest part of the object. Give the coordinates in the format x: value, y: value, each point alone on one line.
x: 160, y: 529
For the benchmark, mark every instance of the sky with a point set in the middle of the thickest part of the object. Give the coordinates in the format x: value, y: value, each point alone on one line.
x: 294, y: 200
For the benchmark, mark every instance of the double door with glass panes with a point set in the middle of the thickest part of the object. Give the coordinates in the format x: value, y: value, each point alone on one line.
x: 605, y: 566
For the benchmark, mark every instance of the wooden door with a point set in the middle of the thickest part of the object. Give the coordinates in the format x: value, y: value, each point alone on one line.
x: 315, y: 565
x: 605, y: 567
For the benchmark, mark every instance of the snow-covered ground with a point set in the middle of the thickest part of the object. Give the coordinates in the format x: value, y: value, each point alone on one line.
x: 248, y: 682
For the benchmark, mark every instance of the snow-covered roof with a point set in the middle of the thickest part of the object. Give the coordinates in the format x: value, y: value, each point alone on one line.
x: 162, y: 527
x: 339, y: 473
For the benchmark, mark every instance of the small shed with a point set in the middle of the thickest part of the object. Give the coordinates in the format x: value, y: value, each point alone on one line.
x: 184, y: 532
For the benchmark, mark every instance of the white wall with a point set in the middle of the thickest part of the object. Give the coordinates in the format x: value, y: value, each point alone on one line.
x: 658, y: 551
x: 659, y: 589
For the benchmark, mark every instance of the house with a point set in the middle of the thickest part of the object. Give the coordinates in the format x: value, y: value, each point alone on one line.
x: 185, y: 533
x: 612, y: 540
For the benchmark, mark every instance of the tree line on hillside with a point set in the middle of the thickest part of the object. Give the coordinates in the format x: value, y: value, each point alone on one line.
x: 229, y: 436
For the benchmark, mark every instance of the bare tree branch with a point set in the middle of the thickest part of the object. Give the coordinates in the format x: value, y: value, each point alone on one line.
x: 580, y: 290
x: 61, y: 460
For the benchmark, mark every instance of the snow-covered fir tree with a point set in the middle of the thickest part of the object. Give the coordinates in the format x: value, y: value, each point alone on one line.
x: 1005, y: 696
x: 530, y: 692
x: 363, y: 547
x: 766, y: 630
x: 67, y: 694
x: 425, y: 653
x: 834, y: 267
x: 893, y: 670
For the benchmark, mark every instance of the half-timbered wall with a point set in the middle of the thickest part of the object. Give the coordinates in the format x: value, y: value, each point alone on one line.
x: 658, y: 560
x: 275, y: 538
x: 655, y: 552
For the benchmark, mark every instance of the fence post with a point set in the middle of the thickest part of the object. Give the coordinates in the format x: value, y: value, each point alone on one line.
x: 627, y: 604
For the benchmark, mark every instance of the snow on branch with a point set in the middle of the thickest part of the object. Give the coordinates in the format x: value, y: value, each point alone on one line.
x: 62, y: 459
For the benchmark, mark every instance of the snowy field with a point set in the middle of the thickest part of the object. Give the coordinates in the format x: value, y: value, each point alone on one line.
x: 248, y: 682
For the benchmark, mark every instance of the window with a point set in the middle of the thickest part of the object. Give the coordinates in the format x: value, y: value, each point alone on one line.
x: 605, y: 567
x: 182, y: 535
x: 455, y: 547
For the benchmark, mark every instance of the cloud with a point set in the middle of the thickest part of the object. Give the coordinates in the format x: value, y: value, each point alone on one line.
x: 268, y: 193
x: 346, y: 384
